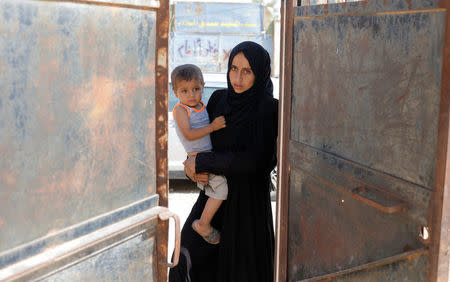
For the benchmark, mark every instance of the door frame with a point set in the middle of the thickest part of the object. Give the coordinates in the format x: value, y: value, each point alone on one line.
x: 161, y: 132
x: 440, y: 207
x: 282, y: 218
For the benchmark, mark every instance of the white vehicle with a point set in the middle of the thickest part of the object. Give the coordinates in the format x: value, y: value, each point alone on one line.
x: 177, y: 155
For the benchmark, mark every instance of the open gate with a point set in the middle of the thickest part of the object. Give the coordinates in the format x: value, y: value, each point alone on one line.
x: 83, y: 140
x: 363, y: 142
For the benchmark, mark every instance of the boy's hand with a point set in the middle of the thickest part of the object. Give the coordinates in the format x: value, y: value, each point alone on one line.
x: 189, y: 169
x: 202, y: 178
x: 218, y: 123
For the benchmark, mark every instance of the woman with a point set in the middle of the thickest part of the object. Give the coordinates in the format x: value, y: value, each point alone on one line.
x: 245, y: 152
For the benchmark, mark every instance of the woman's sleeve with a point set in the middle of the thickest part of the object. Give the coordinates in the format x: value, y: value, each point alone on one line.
x: 261, y: 158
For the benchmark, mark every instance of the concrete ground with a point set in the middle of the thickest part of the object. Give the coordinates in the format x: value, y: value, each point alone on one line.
x: 182, y: 196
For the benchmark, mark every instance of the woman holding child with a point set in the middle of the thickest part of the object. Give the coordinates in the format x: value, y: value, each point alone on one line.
x: 245, y: 153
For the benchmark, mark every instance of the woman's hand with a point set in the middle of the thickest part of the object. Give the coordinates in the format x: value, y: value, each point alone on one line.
x: 189, y: 169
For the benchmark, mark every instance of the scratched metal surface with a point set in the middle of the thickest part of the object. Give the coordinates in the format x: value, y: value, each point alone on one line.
x: 364, y: 6
x: 132, y: 260
x: 412, y: 269
x: 346, y: 176
x: 385, y: 116
x: 77, y: 95
x: 365, y: 107
x: 74, y: 232
x: 330, y: 231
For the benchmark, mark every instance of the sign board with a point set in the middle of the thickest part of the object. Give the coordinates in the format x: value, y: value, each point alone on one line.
x: 218, y: 17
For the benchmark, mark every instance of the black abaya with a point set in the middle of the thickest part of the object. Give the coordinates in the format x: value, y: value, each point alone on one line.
x: 244, y: 152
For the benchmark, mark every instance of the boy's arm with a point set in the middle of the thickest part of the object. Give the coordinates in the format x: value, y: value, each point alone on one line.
x: 182, y: 119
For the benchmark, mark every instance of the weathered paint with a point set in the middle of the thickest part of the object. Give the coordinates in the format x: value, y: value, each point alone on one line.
x: 333, y: 231
x: 161, y: 126
x: 407, y: 266
x: 82, y: 96
x: 360, y: 7
x: 440, y: 211
x: 347, y: 176
x: 111, y: 247
x: 71, y: 233
x: 284, y: 119
x: 364, y: 111
x: 116, y: 264
x: 77, y: 93
x: 373, y: 89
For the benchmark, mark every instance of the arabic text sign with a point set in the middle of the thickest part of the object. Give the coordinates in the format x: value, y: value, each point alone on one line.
x: 218, y: 17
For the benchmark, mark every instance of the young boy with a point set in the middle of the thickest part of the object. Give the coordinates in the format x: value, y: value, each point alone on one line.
x: 193, y: 128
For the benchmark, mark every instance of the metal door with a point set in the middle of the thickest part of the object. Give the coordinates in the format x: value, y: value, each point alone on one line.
x: 363, y: 149
x: 83, y: 140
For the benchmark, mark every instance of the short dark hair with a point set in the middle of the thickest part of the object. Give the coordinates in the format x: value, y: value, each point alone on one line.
x: 186, y: 72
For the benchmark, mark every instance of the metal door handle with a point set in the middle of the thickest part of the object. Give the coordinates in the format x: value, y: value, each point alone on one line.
x: 379, y: 199
x: 166, y: 214
x: 61, y: 256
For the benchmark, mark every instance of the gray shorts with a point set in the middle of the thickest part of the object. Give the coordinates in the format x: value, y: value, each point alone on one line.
x: 217, y: 187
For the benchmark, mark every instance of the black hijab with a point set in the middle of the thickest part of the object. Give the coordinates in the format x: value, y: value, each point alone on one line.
x: 243, y: 106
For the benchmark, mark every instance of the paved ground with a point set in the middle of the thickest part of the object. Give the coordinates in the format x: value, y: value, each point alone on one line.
x: 182, y: 196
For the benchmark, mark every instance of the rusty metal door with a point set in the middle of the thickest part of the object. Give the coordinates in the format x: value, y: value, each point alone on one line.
x: 363, y: 149
x: 83, y: 140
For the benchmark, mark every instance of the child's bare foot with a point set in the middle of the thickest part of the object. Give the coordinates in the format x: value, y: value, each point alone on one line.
x: 210, y: 234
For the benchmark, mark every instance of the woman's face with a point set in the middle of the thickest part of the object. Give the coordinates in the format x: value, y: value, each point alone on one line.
x: 241, y: 74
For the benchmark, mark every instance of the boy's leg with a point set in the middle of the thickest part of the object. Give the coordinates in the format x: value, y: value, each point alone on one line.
x: 203, y: 225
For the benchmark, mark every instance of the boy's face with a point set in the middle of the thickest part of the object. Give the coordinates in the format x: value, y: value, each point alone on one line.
x: 189, y: 92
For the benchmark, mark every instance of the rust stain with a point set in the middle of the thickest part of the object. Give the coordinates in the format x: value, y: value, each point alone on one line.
x: 8, y: 178
x: 151, y: 123
x: 363, y: 88
x: 53, y: 186
x: 400, y: 98
x: 1, y: 222
x: 409, y: 2
x: 439, y: 215
x: 89, y: 49
x: 47, y: 120
x: 149, y: 7
x: 162, y: 57
x: 150, y: 260
x: 163, y: 139
x: 364, y: 4
x: 99, y: 98
x: 162, y: 27
x: 162, y: 32
x: 98, y: 103
x: 151, y: 189
x: 325, y: 9
x: 50, y: 70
